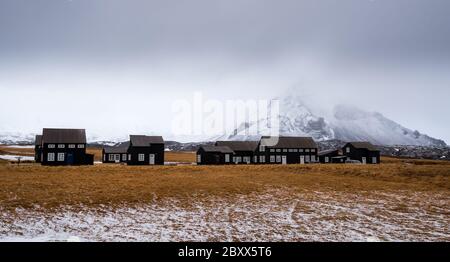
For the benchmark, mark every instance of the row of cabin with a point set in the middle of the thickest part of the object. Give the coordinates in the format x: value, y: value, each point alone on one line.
x: 284, y: 150
x: 268, y: 150
x: 140, y: 150
x: 62, y: 147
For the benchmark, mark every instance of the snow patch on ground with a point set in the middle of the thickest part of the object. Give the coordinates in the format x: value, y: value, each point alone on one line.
x: 15, y: 158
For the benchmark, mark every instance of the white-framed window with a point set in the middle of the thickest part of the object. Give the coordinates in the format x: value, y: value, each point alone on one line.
x: 51, y: 145
x: 374, y: 160
x: 291, y: 150
x: 272, y: 150
x: 285, y: 150
x: 347, y: 149
x: 80, y: 146
x: 327, y: 159
x: 60, y: 157
x: 295, y: 150
x: 72, y: 146
x: 238, y: 159
x: 141, y: 157
x: 262, y: 159
x: 124, y: 157
x: 278, y: 159
x: 117, y: 157
x: 307, y: 158
x: 313, y: 159
x: 51, y: 157
x: 262, y: 148
x: 61, y: 146
x: 129, y: 157
x: 255, y: 159
x: 104, y: 157
x: 313, y: 150
x: 278, y: 150
x: 199, y: 158
x: 111, y: 157
x: 227, y: 158
x: 300, y: 150
x: 272, y: 159
x: 246, y: 159
x: 307, y: 150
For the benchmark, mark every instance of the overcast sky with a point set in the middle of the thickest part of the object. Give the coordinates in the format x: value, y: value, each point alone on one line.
x: 115, y: 66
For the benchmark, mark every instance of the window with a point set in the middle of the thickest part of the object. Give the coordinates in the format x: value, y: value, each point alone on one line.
x: 117, y: 157
x: 374, y: 160
x: 111, y: 157
x: 313, y: 150
x: 124, y: 157
x: 51, y: 146
x: 262, y: 159
x: 129, y: 157
x: 255, y: 159
x: 272, y: 159
x: 80, y: 146
x: 246, y: 159
x: 51, y: 157
x: 199, y: 158
x: 60, y: 157
x: 278, y: 159
x: 61, y: 146
x: 141, y: 157
x: 278, y: 150
x: 272, y: 150
x: 307, y: 159
x: 71, y: 146
x: 307, y: 150
x: 227, y: 158
x: 347, y: 149
x: 313, y: 159
x: 295, y: 150
x: 262, y: 148
x: 291, y: 150
x: 238, y: 159
x: 327, y: 159
x: 300, y: 150
x: 285, y: 150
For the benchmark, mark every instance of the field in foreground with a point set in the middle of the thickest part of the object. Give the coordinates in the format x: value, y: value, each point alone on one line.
x: 398, y: 200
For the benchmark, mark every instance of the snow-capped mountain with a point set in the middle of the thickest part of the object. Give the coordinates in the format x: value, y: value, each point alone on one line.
x: 346, y: 123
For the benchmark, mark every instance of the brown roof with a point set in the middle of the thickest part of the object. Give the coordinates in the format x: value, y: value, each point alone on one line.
x: 239, y: 145
x: 364, y: 145
x: 38, y: 140
x: 289, y: 142
x: 63, y: 136
x: 217, y: 149
x: 121, y: 149
x: 142, y: 141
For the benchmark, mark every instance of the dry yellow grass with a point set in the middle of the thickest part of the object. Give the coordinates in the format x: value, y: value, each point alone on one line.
x: 30, y: 185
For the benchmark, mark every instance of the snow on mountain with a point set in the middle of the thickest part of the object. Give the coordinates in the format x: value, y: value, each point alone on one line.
x: 16, y: 138
x: 347, y: 123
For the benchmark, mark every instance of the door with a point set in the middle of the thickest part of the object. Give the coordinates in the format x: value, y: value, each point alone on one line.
x: 364, y: 161
x: 374, y: 160
x: 70, y: 158
x: 284, y: 160
x: 152, y: 159
x: 308, y: 159
x: 117, y: 158
x: 302, y: 160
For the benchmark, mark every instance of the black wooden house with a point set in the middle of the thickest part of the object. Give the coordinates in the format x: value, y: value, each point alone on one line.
x: 116, y: 154
x: 146, y: 150
x: 38, y: 149
x: 214, y: 155
x: 286, y: 150
x: 364, y: 152
x: 64, y: 147
x: 244, y: 151
x: 331, y: 156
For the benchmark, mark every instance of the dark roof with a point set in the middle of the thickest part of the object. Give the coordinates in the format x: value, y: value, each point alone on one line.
x: 142, y: 141
x: 217, y: 149
x: 239, y: 145
x: 121, y: 149
x: 63, y: 136
x: 364, y: 145
x: 289, y: 142
x: 38, y: 140
x: 326, y: 152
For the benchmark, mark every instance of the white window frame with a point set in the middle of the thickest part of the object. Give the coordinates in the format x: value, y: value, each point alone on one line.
x: 262, y: 159
x: 81, y: 146
x: 272, y: 158
x: 272, y: 150
x: 295, y: 150
x: 61, y: 146
x: 129, y: 157
x: 50, y: 157
x: 300, y: 150
x: 285, y: 150
x: 327, y: 159
x: 117, y: 157
x: 227, y: 158
x: 262, y: 148
x: 313, y: 150
x: 72, y: 146
x: 374, y: 160
x: 307, y: 150
x: 238, y: 159
x: 246, y: 159
x: 347, y: 149
x: 110, y: 157
x: 278, y: 150
x: 61, y: 157
x: 141, y: 157
x: 124, y: 157
x: 255, y: 159
x: 313, y: 159
x: 278, y: 158
x: 199, y: 158
x: 51, y: 146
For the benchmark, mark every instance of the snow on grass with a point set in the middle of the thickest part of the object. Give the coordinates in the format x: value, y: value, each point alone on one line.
x: 15, y: 158
x: 275, y: 215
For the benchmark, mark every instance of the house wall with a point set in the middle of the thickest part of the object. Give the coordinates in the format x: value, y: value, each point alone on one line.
x: 330, y: 155
x: 106, y: 157
x: 156, y: 149
x: 72, y: 156
x: 213, y: 158
x: 37, y: 154
x: 292, y: 157
x: 359, y: 153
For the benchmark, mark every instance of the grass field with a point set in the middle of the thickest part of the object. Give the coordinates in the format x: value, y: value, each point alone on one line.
x: 401, y: 199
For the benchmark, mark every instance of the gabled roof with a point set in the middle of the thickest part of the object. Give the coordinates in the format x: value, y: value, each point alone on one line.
x: 143, y: 141
x: 121, y: 149
x: 239, y: 145
x: 38, y: 140
x: 289, y: 142
x: 217, y: 149
x: 63, y: 136
x: 363, y: 145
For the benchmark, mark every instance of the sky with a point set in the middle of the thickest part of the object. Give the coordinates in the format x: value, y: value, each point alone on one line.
x: 115, y: 66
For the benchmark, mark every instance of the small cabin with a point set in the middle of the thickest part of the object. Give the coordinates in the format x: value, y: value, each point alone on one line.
x: 287, y: 150
x: 331, y: 156
x: 115, y: 154
x: 64, y: 147
x: 364, y: 152
x: 146, y: 150
x: 244, y: 151
x: 38, y: 149
x: 214, y: 155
